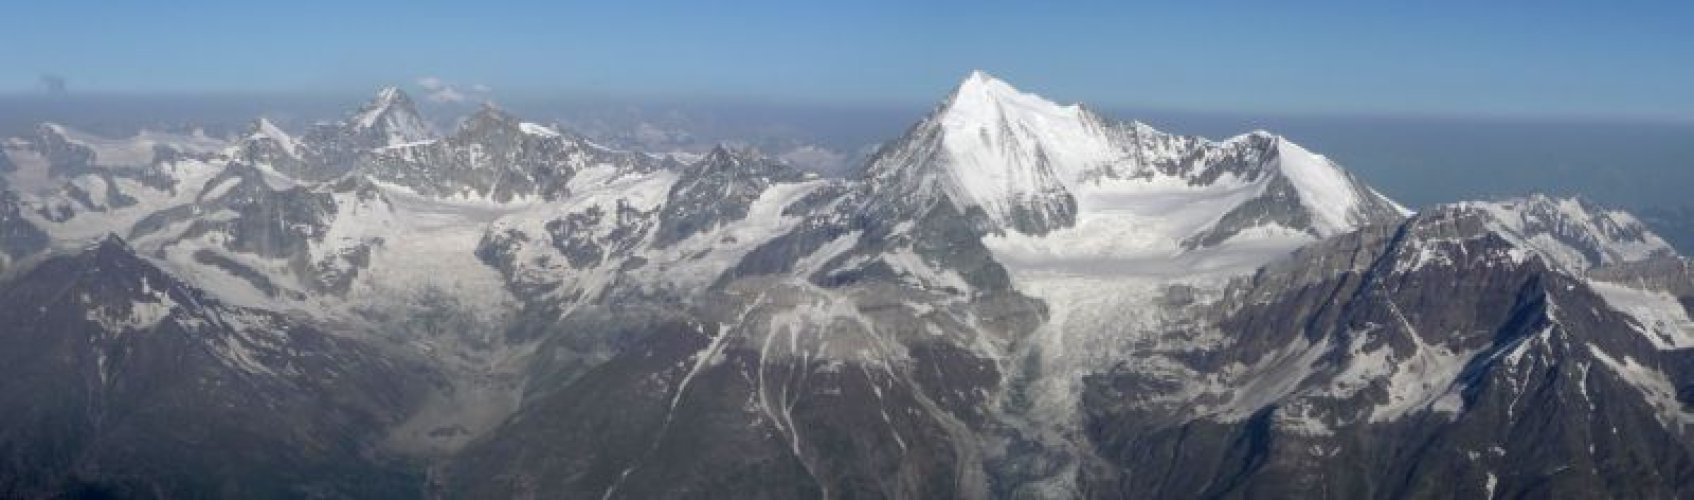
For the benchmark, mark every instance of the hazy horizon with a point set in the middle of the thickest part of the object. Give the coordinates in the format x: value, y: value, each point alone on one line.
x: 1420, y: 160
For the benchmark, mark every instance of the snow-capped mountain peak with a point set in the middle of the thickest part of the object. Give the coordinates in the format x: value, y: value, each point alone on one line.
x: 1024, y: 164
x: 981, y: 92
x: 1012, y: 146
x: 999, y: 127
x: 391, y: 117
x: 386, y: 99
x: 993, y: 151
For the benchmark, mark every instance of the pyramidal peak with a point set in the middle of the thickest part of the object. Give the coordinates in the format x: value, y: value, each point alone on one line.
x: 993, y: 124
x: 721, y: 154
x: 1013, y: 154
x: 387, y: 99
x: 739, y: 161
x: 731, y: 153
x: 979, y: 84
x: 392, y: 116
x: 981, y: 99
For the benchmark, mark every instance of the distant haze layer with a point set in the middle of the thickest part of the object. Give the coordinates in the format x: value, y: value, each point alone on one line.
x: 1417, y: 160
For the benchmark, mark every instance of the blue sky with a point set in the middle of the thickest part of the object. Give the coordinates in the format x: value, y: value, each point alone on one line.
x: 1616, y: 59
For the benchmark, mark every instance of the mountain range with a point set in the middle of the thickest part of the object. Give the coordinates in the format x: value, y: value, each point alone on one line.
x: 1016, y: 298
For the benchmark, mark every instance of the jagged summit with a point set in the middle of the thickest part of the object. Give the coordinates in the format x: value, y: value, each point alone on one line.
x: 1016, y: 138
x: 489, y: 117
x: 123, y: 289
x: 387, y: 99
x: 108, y: 243
x: 981, y: 88
x: 391, y: 117
x: 1573, y: 232
x: 722, y: 153
x: 733, y: 164
x: 992, y: 151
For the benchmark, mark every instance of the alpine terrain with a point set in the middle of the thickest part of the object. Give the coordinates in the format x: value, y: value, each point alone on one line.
x: 1015, y: 299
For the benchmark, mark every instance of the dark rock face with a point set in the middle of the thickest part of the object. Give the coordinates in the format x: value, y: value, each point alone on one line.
x: 1536, y: 399
x: 729, y: 397
x: 1667, y: 273
x: 129, y: 384
x: 257, y: 219
x: 275, y: 224
x: 492, y: 155
x: 18, y: 237
x: 571, y: 234
x: 722, y: 393
x: 636, y: 438
x: 716, y: 190
x: 323, y: 157
x: 64, y: 158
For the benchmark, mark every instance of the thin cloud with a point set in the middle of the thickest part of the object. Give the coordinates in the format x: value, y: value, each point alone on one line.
x: 446, y: 94
x: 442, y: 91
x: 431, y: 83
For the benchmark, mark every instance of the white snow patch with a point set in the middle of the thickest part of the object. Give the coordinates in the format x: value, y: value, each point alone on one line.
x: 270, y: 131
x: 1136, y: 227
x: 33, y: 174
x: 917, y: 270
x: 813, y: 262
x: 138, y: 151
x: 86, y: 226
x: 1422, y: 380
x: 1663, y: 321
x: 693, y: 263
x: 413, y: 230
x: 220, y: 189
x: 1658, y: 389
x: 1527, y: 220
x: 537, y: 129
x: 142, y: 314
